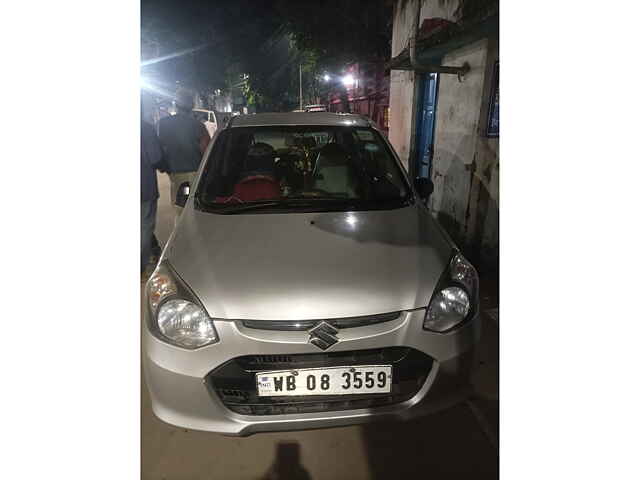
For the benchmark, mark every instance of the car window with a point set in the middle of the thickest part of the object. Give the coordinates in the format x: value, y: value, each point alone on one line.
x: 302, y: 168
x: 201, y: 116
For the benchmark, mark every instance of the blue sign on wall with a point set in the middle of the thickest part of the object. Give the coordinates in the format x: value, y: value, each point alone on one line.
x: 493, y: 122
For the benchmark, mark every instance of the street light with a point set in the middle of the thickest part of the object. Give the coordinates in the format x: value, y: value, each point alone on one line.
x: 348, y: 80
x: 326, y: 77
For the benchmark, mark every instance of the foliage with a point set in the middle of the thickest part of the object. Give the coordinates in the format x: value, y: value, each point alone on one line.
x: 339, y: 32
x: 268, y: 40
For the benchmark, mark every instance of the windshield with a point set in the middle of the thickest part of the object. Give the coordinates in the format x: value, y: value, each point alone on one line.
x: 308, y: 168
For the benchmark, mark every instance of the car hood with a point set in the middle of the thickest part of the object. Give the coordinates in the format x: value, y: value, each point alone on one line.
x: 302, y: 266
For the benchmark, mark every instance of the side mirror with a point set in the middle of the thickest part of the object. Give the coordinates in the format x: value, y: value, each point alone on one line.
x: 424, y: 187
x: 182, y: 194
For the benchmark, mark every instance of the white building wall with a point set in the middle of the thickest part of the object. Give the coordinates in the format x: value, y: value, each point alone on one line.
x: 439, y: 9
x: 483, y: 228
x: 456, y: 133
x: 402, y: 83
x: 408, y: 16
x: 401, y: 114
x: 465, y: 164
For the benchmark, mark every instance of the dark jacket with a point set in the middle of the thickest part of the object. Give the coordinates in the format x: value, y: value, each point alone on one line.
x: 182, y: 136
x: 150, y: 161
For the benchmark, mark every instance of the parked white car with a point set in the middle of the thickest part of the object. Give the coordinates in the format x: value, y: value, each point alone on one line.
x: 315, y: 108
x: 306, y: 285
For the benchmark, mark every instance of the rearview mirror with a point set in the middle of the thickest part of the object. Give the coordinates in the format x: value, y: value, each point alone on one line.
x: 182, y: 194
x: 424, y: 187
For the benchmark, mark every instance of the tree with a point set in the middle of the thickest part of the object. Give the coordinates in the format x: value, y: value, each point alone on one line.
x: 222, y: 42
x: 339, y: 32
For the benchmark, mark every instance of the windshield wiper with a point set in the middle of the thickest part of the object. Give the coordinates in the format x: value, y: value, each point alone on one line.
x: 293, y: 203
x: 242, y: 207
x: 305, y: 203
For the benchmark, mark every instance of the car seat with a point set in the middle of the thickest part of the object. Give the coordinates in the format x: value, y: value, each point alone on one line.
x: 333, y: 172
x: 257, y: 187
x: 258, y: 182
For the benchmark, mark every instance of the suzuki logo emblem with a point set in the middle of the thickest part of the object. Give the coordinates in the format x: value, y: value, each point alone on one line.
x: 323, y: 335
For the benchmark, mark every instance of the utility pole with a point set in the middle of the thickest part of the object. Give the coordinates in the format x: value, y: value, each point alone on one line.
x: 300, y: 86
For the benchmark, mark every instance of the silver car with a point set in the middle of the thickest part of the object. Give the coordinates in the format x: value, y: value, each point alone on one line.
x: 306, y: 285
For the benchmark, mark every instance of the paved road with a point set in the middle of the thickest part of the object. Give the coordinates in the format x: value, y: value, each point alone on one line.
x: 455, y: 444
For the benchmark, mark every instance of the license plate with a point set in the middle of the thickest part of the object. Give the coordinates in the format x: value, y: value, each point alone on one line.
x: 325, y: 381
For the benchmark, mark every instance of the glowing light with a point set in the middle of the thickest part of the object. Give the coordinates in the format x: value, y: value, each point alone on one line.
x: 326, y: 77
x: 173, y: 55
x: 351, y: 220
x: 154, y: 87
x: 348, y: 80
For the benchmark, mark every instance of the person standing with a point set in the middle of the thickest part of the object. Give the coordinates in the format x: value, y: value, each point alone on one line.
x: 150, y: 161
x: 184, y: 140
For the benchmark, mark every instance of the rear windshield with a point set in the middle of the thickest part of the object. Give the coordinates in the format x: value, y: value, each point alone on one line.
x: 302, y: 168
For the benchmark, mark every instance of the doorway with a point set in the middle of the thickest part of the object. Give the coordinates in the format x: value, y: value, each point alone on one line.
x: 425, y: 124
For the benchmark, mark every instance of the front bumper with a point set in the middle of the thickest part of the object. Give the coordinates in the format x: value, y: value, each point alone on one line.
x: 176, y: 378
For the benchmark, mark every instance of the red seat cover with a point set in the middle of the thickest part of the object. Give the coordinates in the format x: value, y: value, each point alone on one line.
x: 257, y: 187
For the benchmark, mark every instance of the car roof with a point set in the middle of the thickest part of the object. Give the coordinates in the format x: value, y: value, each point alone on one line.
x: 299, y: 118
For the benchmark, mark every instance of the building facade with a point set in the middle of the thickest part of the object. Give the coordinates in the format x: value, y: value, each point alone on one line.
x: 444, y: 107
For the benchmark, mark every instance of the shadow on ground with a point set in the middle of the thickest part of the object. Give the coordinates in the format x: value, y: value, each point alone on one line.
x: 446, y: 446
x: 287, y: 464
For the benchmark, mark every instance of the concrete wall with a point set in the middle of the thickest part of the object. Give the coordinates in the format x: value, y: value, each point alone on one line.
x: 483, y: 228
x: 466, y: 163
x: 402, y: 83
x: 439, y: 9
x: 407, y: 18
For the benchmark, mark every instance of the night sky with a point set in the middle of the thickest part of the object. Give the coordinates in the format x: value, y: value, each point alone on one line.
x: 224, y: 37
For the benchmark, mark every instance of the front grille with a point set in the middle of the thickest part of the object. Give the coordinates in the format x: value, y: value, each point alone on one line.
x: 339, y: 323
x: 234, y: 382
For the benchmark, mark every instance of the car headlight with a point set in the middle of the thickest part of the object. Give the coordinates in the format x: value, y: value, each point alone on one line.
x: 176, y: 316
x: 456, y: 297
